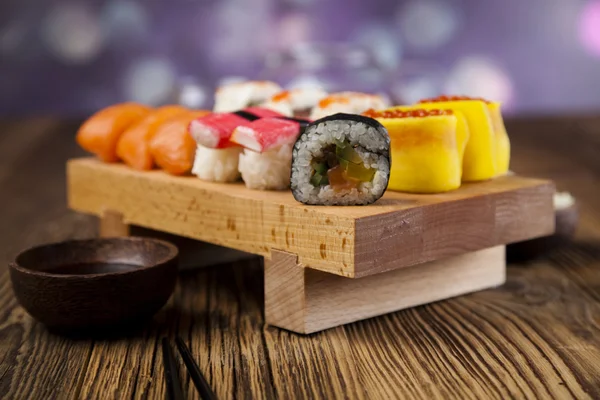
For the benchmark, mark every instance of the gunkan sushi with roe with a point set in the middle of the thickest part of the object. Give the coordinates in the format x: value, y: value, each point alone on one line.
x: 342, y: 159
x: 296, y: 102
x: 238, y: 95
x: 347, y: 102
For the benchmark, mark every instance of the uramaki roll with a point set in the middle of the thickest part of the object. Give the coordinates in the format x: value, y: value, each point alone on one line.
x: 424, y: 150
x: 487, y: 153
x: 479, y: 162
x: 501, y: 139
x: 462, y: 129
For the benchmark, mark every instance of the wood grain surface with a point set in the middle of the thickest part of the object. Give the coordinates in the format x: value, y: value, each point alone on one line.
x: 305, y: 300
x: 399, y: 230
x: 537, y: 336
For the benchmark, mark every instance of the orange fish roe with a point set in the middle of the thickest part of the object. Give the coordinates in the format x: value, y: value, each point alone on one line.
x: 451, y: 98
x: 416, y: 113
x: 327, y: 101
x: 281, y: 96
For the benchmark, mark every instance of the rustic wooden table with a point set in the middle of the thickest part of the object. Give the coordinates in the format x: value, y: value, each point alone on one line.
x: 537, y: 336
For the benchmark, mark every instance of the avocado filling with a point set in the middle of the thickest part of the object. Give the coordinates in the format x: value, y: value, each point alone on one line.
x: 341, y: 167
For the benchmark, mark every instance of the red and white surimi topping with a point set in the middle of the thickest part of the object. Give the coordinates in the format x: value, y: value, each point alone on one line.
x: 266, y: 133
x: 214, y: 130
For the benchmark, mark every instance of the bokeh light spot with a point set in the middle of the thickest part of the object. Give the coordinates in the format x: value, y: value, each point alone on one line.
x: 294, y: 28
x: 479, y: 76
x: 428, y: 24
x: 412, y: 91
x: 382, y: 41
x: 150, y: 81
x: 241, y: 30
x: 124, y: 21
x: 192, y: 94
x: 73, y: 33
x: 227, y: 80
x: 12, y: 35
x: 589, y: 27
x: 305, y: 81
x: 301, y: 3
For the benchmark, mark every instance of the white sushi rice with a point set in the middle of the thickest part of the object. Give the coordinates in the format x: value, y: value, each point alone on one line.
x: 298, y: 99
x: 238, y: 95
x: 217, y: 165
x: 372, y: 143
x: 267, y: 171
x: 282, y: 107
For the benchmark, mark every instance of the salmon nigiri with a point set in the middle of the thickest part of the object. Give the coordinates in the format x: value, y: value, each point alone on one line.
x: 133, y: 146
x: 172, y: 146
x: 101, y: 132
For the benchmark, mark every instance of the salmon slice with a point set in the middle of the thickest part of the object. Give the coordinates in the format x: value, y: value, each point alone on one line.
x: 172, y: 147
x: 133, y: 146
x: 101, y: 132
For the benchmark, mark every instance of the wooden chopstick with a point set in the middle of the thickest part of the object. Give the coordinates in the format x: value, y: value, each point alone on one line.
x: 199, y: 381
x: 174, y: 390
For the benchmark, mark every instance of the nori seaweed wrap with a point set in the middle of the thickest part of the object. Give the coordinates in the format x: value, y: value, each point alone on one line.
x: 342, y: 159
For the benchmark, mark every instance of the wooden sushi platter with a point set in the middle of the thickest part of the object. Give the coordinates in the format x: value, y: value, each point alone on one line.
x: 327, y: 266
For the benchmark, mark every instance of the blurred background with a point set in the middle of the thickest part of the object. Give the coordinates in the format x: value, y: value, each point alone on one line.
x: 71, y: 57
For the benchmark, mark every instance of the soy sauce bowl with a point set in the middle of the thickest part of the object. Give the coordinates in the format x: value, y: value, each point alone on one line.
x: 96, y: 284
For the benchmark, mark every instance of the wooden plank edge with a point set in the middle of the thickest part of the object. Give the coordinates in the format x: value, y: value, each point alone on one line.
x: 383, y: 254
x: 307, y: 301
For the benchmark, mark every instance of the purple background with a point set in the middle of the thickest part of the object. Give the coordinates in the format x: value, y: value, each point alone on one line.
x: 72, y: 57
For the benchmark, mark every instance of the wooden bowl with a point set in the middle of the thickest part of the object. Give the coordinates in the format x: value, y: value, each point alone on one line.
x: 95, y: 284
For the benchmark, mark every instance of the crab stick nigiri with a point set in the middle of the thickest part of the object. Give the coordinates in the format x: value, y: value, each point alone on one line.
x: 217, y: 157
x: 101, y: 132
x: 214, y: 130
x: 172, y: 147
x: 133, y: 146
x: 266, y: 133
x: 266, y: 161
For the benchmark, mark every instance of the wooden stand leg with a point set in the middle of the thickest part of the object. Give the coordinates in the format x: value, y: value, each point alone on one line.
x: 304, y: 300
x: 112, y: 225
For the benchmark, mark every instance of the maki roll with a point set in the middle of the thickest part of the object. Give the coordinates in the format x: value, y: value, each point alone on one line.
x: 342, y: 159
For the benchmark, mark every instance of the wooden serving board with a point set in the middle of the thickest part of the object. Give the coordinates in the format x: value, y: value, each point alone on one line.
x: 397, y: 232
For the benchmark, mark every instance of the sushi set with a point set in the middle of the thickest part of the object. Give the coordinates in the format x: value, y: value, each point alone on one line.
x: 359, y: 208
